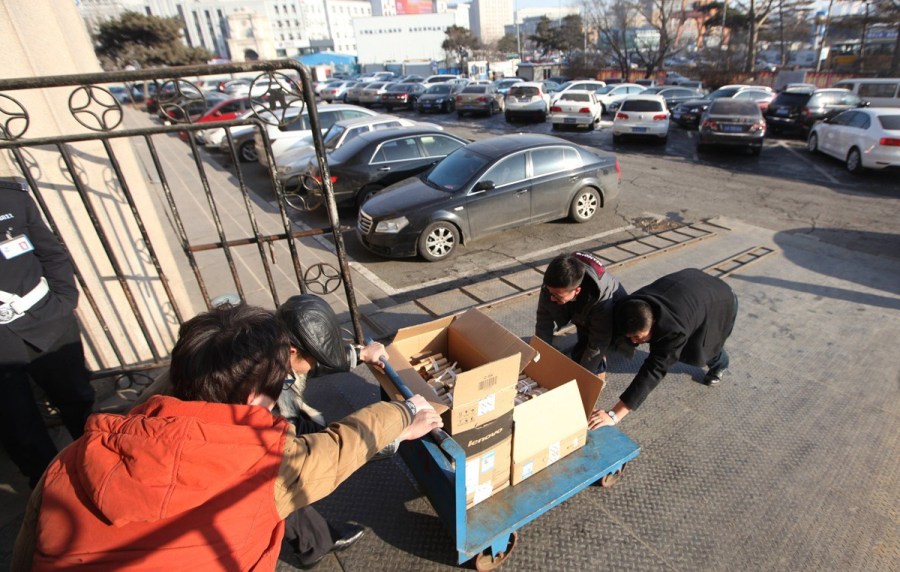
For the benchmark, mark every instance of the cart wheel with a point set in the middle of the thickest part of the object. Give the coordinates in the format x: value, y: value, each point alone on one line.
x: 612, y: 478
x: 487, y: 561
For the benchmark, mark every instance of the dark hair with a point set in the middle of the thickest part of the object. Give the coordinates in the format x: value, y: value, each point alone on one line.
x: 229, y: 353
x: 564, y: 271
x: 633, y: 316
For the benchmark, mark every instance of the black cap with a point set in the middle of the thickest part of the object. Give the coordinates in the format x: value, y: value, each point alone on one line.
x: 313, y: 328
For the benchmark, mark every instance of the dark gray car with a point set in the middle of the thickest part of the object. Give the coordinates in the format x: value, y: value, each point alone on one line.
x: 732, y: 123
x: 487, y: 186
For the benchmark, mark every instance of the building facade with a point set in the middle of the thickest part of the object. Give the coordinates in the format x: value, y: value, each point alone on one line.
x: 488, y: 17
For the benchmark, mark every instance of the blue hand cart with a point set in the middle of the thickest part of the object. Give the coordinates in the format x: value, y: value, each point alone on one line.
x: 487, y: 531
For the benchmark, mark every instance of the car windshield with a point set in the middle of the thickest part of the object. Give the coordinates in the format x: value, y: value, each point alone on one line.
x: 729, y: 106
x: 723, y: 92
x: 508, y: 82
x: 890, y: 122
x: 524, y: 91
x: 439, y: 88
x: 641, y: 105
x: 791, y: 99
x: 333, y: 136
x: 456, y: 170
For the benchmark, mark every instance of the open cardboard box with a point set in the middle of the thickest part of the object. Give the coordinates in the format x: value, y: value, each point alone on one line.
x: 553, y: 425
x: 490, y: 356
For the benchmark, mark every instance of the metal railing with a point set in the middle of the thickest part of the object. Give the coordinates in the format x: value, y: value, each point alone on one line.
x: 92, y: 106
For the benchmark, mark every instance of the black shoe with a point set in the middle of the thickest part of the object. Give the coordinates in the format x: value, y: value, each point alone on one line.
x: 349, y: 535
x: 343, y: 538
x: 714, y: 376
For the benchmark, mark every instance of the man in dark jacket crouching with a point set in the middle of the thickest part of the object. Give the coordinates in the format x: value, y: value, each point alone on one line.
x: 686, y: 316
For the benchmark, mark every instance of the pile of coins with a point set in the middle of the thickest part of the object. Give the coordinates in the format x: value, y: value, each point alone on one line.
x: 439, y: 373
x: 527, y: 388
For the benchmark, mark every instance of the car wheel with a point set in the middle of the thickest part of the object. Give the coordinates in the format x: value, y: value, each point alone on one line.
x: 542, y: 117
x: 438, y: 241
x: 584, y: 205
x: 756, y: 150
x: 388, y: 108
x: 854, y: 161
x: 701, y: 148
x: 459, y: 114
x: 616, y: 139
x: 247, y: 152
x: 812, y: 144
x: 590, y: 126
x: 508, y: 117
x: 554, y: 126
x: 602, y: 109
x: 366, y: 193
x: 663, y: 140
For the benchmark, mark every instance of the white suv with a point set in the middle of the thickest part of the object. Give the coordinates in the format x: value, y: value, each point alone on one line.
x: 527, y: 99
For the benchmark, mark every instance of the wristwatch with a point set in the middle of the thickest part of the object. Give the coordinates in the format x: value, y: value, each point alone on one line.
x: 613, y: 416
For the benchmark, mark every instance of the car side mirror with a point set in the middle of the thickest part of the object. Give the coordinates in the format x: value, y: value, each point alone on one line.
x: 484, y: 186
x: 865, y: 103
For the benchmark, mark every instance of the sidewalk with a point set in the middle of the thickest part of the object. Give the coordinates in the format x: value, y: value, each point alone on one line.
x: 793, y: 463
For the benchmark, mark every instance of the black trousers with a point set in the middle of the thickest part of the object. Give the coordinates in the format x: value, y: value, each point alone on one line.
x: 305, y: 529
x: 61, y: 373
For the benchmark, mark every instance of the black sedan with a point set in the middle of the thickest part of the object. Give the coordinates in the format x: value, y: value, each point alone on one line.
x: 371, y: 161
x: 732, y: 123
x: 674, y: 95
x: 403, y: 95
x: 488, y: 186
x: 438, y: 98
x: 688, y: 113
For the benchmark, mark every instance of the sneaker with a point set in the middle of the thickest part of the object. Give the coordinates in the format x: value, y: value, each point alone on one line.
x: 714, y: 376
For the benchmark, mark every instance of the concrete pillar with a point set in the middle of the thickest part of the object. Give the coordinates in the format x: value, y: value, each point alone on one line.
x: 48, y: 37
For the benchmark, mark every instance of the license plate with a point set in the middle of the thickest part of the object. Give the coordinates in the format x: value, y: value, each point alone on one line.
x: 638, y: 129
x: 568, y: 120
x: 731, y: 128
x: 676, y: 115
x: 782, y: 111
x: 524, y: 99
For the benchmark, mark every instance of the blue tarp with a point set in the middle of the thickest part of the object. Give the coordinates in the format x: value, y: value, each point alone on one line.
x: 332, y: 58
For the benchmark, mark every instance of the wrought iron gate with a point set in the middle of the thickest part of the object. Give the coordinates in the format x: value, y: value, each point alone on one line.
x: 137, y: 295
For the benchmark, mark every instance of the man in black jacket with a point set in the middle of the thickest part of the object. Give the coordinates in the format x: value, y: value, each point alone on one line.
x: 686, y: 316
x: 578, y: 289
x: 39, y: 336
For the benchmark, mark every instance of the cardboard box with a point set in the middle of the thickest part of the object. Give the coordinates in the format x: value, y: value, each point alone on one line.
x: 488, y: 451
x: 490, y: 356
x: 553, y: 425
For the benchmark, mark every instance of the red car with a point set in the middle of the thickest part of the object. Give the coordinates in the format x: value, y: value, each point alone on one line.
x: 223, y: 111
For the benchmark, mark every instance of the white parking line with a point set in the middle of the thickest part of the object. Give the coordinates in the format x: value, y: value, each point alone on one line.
x: 810, y: 163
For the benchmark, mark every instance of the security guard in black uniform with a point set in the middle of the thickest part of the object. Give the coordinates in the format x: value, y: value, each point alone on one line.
x: 39, y: 336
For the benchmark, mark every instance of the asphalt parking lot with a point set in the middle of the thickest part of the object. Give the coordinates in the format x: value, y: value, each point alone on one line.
x: 785, y: 189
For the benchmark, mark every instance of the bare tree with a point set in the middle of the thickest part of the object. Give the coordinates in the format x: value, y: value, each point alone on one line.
x: 611, y: 20
x: 667, y: 18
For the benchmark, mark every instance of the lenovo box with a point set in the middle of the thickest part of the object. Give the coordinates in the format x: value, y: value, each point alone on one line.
x: 489, y: 358
x: 488, y: 457
x: 552, y: 425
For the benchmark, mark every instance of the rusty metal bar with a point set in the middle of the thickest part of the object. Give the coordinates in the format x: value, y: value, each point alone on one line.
x: 330, y: 204
x: 266, y: 238
x: 114, y: 161
x: 179, y: 225
x: 107, y: 247
x: 217, y: 221
x: 285, y: 220
x: 248, y: 206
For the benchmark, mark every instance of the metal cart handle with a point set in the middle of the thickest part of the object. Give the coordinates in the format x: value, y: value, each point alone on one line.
x: 440, y: 436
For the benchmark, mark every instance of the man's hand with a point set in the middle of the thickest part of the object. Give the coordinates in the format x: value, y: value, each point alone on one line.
x: 599, y: 418
x: 373, y: 353
x: 425, y: 421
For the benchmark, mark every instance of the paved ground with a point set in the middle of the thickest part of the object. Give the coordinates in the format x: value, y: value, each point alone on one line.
x: 793, y: 463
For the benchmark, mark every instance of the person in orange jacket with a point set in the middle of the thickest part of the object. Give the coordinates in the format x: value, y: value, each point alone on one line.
x: 204, y: 478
